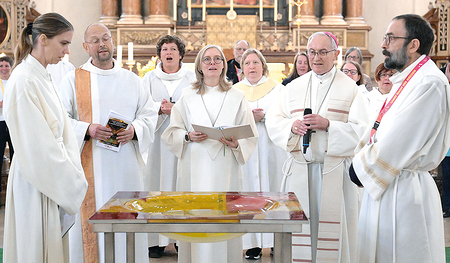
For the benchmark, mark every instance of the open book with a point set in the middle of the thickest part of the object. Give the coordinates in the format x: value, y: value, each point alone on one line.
x: 117, y: 123
x: 215, y: 133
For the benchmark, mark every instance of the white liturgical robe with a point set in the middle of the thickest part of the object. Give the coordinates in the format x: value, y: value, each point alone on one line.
x: 119, y: 90
x: 401, y: 214
x: 263, y: 171
x: 46, y: 171
x: 208, y: 165
x: 319, y: 178
x: 161, y: 169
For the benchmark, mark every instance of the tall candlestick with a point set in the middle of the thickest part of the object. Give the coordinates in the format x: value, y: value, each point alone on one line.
x: 261, y: 10
x: 175, y: 4
x: 275, y: 10
x: 130, y: 51
x: 290, y: 11
x: 231, y: 5
x: 189, y: 10
x: 204, y: 11
x: 119, y: 54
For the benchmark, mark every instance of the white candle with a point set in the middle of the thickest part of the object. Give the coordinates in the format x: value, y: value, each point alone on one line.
x: 275, y: 10
x: 119, y: 54
x: 174, y: 10
x: 290, y: 10
x: 261, y: 10
x: 204, y: 11
x: 231, y: 5
x: 130, y: 51
x: 189, y: 10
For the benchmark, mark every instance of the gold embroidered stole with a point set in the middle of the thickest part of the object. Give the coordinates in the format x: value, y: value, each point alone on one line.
x: 84, y: 105
x: 257, y: 92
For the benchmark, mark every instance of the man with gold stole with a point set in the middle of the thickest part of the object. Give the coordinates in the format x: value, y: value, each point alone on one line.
x: 101, y: 85
x: 317, y: 170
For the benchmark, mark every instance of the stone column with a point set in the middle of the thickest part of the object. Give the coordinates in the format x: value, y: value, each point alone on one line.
x: 109, y: 12
x: 307, y: 12
x: 131, y: 12
x: 354, y: 13
x: 332, y: 13
x: 158, y: 12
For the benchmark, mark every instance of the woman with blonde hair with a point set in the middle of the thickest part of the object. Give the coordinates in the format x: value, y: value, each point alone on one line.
x: 205, y: 164
x: 263, y: 170
x: 46, y: 177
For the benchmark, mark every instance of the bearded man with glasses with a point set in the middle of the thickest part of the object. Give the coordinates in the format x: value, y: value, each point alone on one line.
x: 318, y: 168
x: 401, y: 214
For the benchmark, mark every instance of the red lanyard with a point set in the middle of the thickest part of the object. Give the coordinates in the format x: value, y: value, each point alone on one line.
x: 387, y: 106
x: 237, y: 72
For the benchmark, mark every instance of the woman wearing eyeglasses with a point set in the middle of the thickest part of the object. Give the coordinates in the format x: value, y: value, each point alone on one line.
x: 353, y: 70
x: 378, y: 95
x: 206, y: 164
x: 354, y: 54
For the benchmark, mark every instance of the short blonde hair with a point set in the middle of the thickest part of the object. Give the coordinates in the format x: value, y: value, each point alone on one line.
x: 260, y: 56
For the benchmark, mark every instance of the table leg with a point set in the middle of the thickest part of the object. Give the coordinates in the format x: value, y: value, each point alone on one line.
x: 282, y: 249
x: 109, y: 248
x: 130, y: 247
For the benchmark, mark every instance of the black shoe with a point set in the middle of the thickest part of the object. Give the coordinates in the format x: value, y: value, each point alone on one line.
x: 156, y: 252
x: 446, y: 213
x: 253, y: 253
x: 271, y: 251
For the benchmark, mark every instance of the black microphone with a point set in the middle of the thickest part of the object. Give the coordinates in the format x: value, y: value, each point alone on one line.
x: 307, y: 136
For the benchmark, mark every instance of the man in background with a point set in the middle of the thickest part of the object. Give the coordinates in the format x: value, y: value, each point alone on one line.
x: 234, y: 66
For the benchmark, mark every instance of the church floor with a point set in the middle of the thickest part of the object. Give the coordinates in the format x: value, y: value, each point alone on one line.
x: 171, y: 256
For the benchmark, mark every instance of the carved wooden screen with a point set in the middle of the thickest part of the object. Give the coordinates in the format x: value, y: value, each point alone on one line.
x: 225, y: 33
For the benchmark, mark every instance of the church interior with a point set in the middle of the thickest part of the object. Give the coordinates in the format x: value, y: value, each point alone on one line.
x: 278, y: 28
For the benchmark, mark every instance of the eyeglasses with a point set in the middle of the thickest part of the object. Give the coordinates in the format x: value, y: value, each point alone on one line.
x: 208, y: 60
x: 388, y: 38
x: 322, y: 53
x: 382, y: 75
x: 353, y: 57
x: 96, y: 41
x: 350, y: 71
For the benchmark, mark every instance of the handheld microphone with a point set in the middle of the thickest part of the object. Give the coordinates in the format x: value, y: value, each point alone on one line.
x: 307, y: 136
